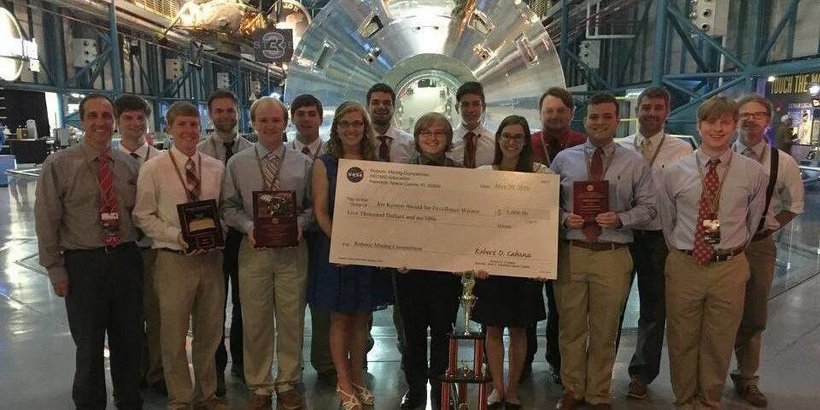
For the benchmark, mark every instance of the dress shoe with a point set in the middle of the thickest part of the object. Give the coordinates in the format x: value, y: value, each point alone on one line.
x: 568, y: 401
x: 636, y: 390
x: 414, y: 398
x: 512, y: 406
x: 260, y: 402
x: 753, y: 395
x: 494, y: 400
x: 289, y: 400
x: 602, y: 406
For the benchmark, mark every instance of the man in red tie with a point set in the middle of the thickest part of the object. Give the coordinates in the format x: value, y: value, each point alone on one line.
x: 557, y: 109
x: 85, y: 237
x: 393, y: 144
x: 606, y: 190
x: 473, y: 142
x: 711, y: 203
x: 190, y: 285
x: 306, y: 113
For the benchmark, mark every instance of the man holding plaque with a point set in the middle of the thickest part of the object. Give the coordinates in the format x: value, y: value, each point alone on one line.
x: 85, y: 238
x: 222, y: 145
x: 177, y: 194
x: 784, y: 198
x: 473, y: 143
x: 711, y: 205
x: 265, y: 190
x: 648, y: 250
x: 606, y: 190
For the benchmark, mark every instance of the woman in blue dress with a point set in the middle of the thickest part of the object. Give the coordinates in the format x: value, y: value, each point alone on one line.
x: 350, y: 293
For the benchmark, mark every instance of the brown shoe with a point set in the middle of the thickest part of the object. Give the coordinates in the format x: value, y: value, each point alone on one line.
x: 754, y: 396
x: 636, y: 390
x: 260, y: 402
x: 568, y: 401
x: 602, y: 406
x: 289, y: 400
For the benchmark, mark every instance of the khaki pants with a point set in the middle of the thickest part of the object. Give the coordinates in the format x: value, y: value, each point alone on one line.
x: 150, y: 306
x: 273, y: 285
x: 590, y: 293
x: 704, y: 305
x: 761, y: 255
x: 191, y: 289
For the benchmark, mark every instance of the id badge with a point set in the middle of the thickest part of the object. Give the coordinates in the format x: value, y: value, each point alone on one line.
x: 711, y: 231
x: 110, y: 221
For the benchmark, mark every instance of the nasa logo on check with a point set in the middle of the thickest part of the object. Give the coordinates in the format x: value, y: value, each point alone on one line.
x: 355, y: 174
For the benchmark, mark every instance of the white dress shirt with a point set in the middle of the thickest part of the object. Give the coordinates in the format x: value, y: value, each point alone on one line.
x: 788, y: 189
x: 160, y: 190
x: 317, y: 148
x: 485, y: 145
x: 666, y: 150
x: 402, y: 145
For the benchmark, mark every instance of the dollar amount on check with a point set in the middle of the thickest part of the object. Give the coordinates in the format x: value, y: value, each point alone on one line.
x: 445, y: 219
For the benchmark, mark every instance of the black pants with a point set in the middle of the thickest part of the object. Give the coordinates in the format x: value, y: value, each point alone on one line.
x: 427, y: 300
x: 649, y: 257
x: 230, y: 268
x: 105, y: 297
x: 553, y: 354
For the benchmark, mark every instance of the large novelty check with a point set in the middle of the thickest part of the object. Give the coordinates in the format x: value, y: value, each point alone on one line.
x: 445, y: 219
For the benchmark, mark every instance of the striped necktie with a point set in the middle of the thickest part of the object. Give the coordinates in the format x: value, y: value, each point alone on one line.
x: 193, y: 181
x: 108, y: 200
x: 270, y: 171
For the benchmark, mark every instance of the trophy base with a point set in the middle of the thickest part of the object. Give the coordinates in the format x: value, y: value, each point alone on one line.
x: 461, y: 335
x: 466, y: 379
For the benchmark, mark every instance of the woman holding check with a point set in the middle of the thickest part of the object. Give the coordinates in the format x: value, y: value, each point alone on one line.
x: 350, y: 293
x: 427, y: 299
x: 514, y: 303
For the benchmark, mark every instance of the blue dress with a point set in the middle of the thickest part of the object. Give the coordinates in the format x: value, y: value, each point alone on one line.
x: 353, y: 288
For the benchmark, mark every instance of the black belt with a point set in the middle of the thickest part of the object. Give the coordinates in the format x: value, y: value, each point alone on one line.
x: 121, y: 247
x: 598, y: 246
x: 641, y: 232
x: 719, y: 256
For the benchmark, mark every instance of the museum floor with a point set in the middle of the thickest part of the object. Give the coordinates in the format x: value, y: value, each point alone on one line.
x: 37, y: 353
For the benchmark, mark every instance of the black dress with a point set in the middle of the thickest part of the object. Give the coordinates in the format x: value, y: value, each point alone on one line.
x: 506, y: 301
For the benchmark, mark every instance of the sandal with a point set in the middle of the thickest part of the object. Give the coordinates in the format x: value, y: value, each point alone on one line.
x: 494, y: 400
x: 348, y: 401
x: 365, y: 396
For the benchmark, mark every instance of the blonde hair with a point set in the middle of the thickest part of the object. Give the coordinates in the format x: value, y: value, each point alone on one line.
x: 716, y: 107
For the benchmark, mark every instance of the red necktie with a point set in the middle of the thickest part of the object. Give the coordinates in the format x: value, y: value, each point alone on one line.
x: 596, y: 169
x: 108, y: 201
x: 193, y: 180
x: 702, y: 251
x: 384, y: 148
x: 306, y: 150
x: 469, y: 149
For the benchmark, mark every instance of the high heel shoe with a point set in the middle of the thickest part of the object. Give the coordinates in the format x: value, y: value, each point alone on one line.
x: 494, y: 400
x: 365, y: 396
x: 347, y: 400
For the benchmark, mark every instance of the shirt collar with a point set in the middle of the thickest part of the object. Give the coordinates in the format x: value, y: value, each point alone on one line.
x: 608, y: 148
x: 142, y: 151
x: 639, y: 137
x: 263, y: 152
x: 182, y: 158
x: 91, y: 153
x: 758, y: 148
x: 704, y: 159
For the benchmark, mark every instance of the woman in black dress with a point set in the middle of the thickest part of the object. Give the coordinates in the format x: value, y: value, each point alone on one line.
x: 514, y: 303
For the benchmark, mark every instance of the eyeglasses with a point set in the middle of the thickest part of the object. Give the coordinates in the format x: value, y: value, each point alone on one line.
x: 518, y: 138
x: 348, y: 124
x: 428, y: 134
x: 760, y: 115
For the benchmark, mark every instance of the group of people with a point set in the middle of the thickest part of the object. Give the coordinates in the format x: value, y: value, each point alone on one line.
x: 694, y: 227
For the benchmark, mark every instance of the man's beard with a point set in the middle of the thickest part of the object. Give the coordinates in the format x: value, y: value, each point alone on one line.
x: 225, y: 127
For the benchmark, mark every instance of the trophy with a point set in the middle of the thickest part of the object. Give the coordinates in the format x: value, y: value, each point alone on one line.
x: 457, y: 377
x: 467, y: 298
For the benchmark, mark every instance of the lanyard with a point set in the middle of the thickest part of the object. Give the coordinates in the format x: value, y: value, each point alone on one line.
x: 657, y: 150
x: 607, y: 161
x: 278, y: 169
x: 713, y: 202
x: 179, y: 175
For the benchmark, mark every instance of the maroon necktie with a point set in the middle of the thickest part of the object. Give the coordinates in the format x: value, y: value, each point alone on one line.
x: 306, y: 150
x: 702, y: 251
x: 108, y: 201
x: 469, y: 149
x: 596, y: 170
x: 384, y: 148
x: 193, y: 181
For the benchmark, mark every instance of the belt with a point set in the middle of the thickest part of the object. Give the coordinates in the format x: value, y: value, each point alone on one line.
x: 641, y: 232
x: 598, y: 246
x: 169, y: 250
x: 720, y: 256
x: 122, y: 247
